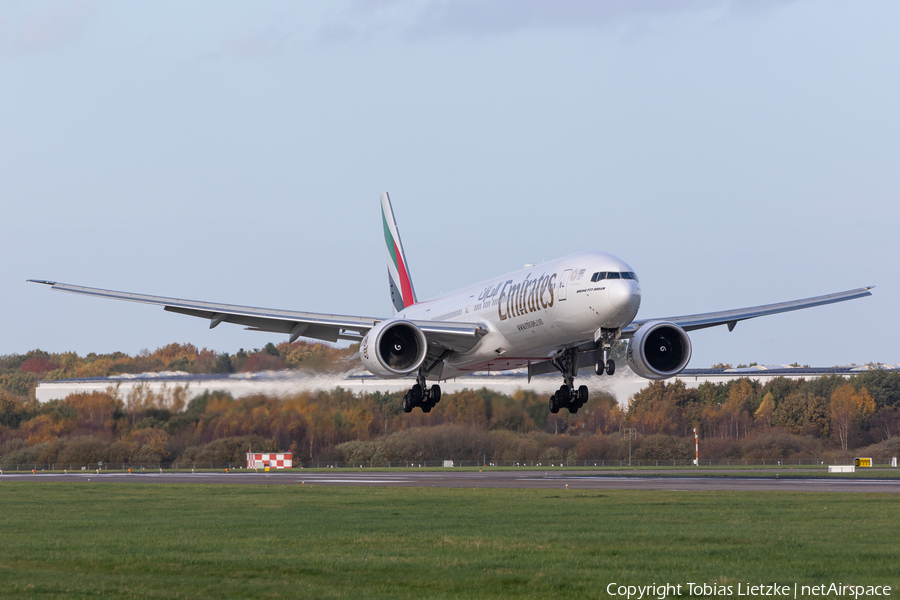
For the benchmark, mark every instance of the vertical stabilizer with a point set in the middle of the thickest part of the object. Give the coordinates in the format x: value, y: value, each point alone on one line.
x: 402, y: 292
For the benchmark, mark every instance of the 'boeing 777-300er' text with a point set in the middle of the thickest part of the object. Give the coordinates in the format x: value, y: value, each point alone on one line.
x: 563, y: 315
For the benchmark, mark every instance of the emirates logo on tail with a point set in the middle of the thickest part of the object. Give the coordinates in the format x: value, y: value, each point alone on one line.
x: 402, y: 292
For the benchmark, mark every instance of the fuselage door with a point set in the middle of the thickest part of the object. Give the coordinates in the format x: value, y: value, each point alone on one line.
x: 564, y: 283
x: 469, y: 304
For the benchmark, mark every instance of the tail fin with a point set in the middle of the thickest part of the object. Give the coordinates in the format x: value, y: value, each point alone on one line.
x: 402, y: 292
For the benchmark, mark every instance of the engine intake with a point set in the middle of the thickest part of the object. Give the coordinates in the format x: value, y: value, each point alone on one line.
x: 659, y: 350
x: 393, y: 348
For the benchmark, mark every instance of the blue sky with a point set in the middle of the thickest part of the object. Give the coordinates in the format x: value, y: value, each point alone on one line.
x: 734, y: 153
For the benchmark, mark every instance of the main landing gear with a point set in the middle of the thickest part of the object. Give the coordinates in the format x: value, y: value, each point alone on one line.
x: 567, y: 364
x: 567, y: 396
x: 421, y: 395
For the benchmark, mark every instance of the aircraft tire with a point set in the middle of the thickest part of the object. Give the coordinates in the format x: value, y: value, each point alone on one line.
x: 563, y: 395
x: 426, y: 407
x: 610, y: 366
x: 598, y: 368
x: 583, y: 394
x: 435, y: 394
x: 554, y: 404
x: 407, y: 404
x: 416, y: 394
x: 573, y: 409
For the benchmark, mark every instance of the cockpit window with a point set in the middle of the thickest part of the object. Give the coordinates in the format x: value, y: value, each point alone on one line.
x: 612, y: 275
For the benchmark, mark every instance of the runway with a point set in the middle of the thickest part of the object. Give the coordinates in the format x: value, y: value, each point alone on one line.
x: 576, y: 480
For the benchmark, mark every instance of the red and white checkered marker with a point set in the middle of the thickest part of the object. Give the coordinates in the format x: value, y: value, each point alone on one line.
x: 273, y: 460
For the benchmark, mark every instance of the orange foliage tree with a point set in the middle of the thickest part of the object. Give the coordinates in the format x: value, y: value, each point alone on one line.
x: 849, y: 408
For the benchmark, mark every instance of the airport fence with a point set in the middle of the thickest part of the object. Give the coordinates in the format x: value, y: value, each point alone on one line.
x: 877, y: 461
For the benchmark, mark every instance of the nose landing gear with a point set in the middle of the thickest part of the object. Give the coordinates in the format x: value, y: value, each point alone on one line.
x: 607, y: 365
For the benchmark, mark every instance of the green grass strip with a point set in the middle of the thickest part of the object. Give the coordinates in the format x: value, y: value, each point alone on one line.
x: 80, y: 540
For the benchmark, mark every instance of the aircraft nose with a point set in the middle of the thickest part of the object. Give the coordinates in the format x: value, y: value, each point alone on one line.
x: 624, y: 293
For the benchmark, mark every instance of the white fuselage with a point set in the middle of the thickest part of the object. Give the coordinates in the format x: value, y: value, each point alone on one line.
x: 532, y: 313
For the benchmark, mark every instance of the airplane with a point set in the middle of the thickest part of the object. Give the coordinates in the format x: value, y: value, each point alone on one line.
x: 563, y: 315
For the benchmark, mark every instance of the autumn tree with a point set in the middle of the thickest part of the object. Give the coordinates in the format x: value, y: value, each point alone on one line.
x: 45, y: 428
x: 883, y: 385
x: 38, y: 365
x: 10, y: 411
x: 736, y: 409
x: 263, y: 361
x: 18, y: 383
x: 96, y: 410
x: 149, y: 445
x: 886, y: 421
x: 766, y: 409
x: 468, y: 407
x: 849, y: 408
x: 658, y: 408
x: 601, y: 414
x: 512, y: 413
x: 802, y: 412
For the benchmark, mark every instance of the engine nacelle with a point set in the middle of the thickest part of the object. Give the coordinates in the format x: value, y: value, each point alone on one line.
x: 393, y: 348
x: 659, y: 350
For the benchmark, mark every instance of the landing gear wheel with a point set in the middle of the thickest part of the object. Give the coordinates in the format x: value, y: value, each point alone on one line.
x: 407, y: 403
x: 598, y: 368
x: 582, y: 395
x: 417, y: 394
x: 426, y: 407
x: 610, y: 367
x: 554, y: 404
x: 573, y: 409
x: 435, y: 394
x: 564, y: 395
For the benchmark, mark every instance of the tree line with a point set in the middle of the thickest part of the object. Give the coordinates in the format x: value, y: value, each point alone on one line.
x: 19, y: 373
x: 740, y: 419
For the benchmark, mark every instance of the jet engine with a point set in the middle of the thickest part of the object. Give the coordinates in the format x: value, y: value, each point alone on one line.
x: 393, y: 348
x: 659, y: 350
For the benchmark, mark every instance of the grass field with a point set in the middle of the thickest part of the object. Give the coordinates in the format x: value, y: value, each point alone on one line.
x: 78, y: 540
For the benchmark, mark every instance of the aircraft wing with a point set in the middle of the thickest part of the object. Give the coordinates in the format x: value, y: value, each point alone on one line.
x: 330, y: 328
x: 731, y: 317
x: 325, y: 327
